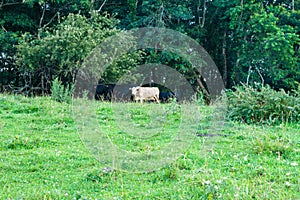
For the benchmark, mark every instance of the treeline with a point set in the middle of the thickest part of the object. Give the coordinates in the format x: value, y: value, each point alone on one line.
x: 252, y: 42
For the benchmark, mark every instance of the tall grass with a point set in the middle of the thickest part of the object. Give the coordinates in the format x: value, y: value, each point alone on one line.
x: 43, y: 157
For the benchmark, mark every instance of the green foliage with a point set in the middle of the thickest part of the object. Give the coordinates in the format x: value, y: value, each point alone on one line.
x: 64, y: 47
x: 263, y: 105
x: 266, y: 44
x: 276, y: 145
x: 19, y: 17
x: 120, y: 70
x: 61, y: 93
x: 250, y: 41
x: 60, y: 51
x: 8, y: 40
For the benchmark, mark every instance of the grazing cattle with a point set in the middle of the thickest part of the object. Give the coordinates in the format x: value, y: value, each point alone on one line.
x: 104, y: 92
x: 122, y: 92
x: 145, y: 93
x: 116, y: 92
x: 166, y: 96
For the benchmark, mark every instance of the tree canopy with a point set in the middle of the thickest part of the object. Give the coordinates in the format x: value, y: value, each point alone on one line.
x: 252, y: 42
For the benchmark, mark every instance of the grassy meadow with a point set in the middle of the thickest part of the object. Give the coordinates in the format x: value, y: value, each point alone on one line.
x: 44, y: 156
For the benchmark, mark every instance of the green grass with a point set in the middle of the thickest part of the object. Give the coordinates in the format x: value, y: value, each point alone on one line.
x: 42, y: 155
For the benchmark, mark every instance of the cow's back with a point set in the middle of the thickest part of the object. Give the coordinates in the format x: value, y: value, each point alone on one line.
x: 147, y: 93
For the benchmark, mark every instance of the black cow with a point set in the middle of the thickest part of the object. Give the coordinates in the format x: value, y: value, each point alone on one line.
x: 109, y: 92
x: 122, y: 92
x: 104, y: 92
x: 166, y: 96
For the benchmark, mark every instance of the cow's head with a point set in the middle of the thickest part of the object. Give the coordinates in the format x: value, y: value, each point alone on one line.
x: 134, y: 90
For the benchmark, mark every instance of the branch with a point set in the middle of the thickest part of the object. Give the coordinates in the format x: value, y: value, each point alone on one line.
x: 101, y: 6
x: 248, y: 77
x: 224, y: 46
x: 3, y: 28
x: 262, y: 79
x: 43, y: 14
x: 198, y: 10
x: 201, y: 84
x: 161, y: 13
x: 9, y: 4
x: 241, y: 15
x: 57, y: 13
x: 92, y: 6
x: 204, y: 13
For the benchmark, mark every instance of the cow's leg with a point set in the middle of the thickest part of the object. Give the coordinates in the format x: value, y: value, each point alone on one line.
x: 156, y: 98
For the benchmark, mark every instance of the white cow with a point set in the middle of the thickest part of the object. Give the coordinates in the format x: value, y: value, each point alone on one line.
x: 145, y: 93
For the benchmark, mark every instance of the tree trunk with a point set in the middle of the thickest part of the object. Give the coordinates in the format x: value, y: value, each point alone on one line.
x: 224, y: 46
x: 203, y: 14
x: 201, y: 84
x: 43, y: 85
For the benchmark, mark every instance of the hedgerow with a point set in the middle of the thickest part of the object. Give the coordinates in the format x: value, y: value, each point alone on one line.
x: 263, y: 105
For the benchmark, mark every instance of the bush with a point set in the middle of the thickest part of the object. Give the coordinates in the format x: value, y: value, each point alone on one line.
x: 263, y: 105
x: 60, y: 92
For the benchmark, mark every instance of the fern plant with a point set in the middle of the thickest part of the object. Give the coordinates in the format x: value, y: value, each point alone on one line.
x: 263, y: 105
x: 60, y: 92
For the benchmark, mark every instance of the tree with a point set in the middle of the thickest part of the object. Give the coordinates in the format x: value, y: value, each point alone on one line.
x: 16, y: 17
x: 254, y: 41
x: 61, y: 50
x: 19, y: 17
x: 266, y: 47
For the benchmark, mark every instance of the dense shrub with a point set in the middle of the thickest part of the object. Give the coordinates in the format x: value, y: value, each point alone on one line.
x: 263, y: 105
x: 60, y: 92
